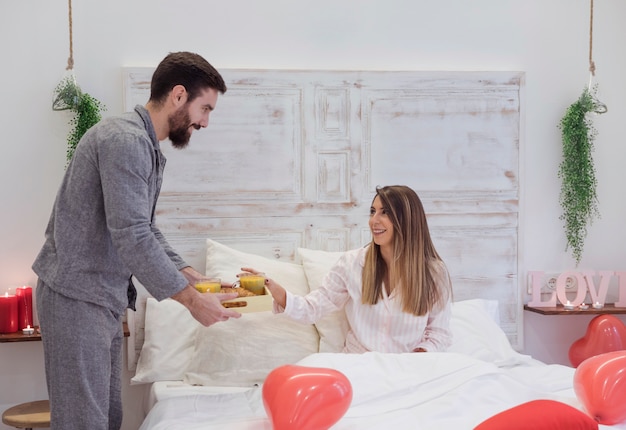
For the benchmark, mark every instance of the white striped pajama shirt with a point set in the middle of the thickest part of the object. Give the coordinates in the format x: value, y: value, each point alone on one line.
x: 383, y: 327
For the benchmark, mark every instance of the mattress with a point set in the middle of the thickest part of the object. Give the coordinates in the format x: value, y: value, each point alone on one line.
x: 162, y: 390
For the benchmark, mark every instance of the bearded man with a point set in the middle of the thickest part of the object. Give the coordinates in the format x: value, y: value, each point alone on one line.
x: 102, y: 232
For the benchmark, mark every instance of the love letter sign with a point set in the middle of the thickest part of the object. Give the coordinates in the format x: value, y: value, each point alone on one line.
x: 586, y: 283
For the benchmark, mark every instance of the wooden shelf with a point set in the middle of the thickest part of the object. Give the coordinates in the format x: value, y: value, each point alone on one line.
x: 608, y: 308
x: 20, y: 337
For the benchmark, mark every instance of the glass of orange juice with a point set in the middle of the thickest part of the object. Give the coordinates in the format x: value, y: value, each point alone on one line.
x: 254, y: 282
x: 209, y: 285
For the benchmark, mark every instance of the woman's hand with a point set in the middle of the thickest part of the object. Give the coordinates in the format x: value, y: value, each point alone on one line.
x: 248, y: 270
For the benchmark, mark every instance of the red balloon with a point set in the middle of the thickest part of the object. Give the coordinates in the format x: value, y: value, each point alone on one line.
x: 600, y: 385
x: 605, y: 333
x: 305, y: 398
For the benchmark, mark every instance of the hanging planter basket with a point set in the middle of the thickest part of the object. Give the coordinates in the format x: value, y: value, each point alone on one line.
x: 86, y: 109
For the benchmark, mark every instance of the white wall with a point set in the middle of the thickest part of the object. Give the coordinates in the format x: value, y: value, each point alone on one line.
x: 547, y: 40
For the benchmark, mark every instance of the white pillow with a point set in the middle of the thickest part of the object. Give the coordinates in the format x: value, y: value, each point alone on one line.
x: 241, y: 352
x: 476, y: 332
x: 333, y: 327
x: 170, y: 331
x: 225, y: 262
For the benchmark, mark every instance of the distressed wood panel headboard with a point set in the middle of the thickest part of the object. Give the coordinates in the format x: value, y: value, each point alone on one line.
x: 291, y: 158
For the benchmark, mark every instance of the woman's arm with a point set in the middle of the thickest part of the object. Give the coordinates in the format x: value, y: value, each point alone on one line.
x: 437, y: 334
x: 279, y: 294
x: 330, y: 296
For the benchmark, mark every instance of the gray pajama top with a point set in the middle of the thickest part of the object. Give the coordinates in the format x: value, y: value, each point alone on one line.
x: 102, y: 229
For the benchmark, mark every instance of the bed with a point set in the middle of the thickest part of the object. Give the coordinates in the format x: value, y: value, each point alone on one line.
x: 282, y: 181
x: 212, y: 377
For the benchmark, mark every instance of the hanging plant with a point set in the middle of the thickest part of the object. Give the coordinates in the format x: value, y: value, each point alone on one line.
x: 577, y: 172
x: 86, y: 108
x: 68, y: 96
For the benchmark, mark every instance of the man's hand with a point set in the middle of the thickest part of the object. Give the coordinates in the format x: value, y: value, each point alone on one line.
x: 206, y: 307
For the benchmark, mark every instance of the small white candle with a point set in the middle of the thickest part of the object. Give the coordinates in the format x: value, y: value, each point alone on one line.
x: 584, y: 306
x: 569, y: 306
x: 28, y: 330
x: 598, y: 305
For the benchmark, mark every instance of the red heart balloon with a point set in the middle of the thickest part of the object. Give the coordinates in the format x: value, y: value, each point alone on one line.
x: 605, y: 333
x: 305, y: 398
x: 600, y: 385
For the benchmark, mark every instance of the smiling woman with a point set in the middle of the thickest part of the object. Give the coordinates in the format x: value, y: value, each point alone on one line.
x: 397, y: 284
x: 381, y: 227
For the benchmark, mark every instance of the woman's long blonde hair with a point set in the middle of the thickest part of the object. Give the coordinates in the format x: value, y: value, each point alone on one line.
x: 417, y: 269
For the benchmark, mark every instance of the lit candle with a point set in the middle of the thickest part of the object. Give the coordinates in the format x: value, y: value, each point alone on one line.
x: 28, y: 330
x: 24, y: 306
x: 569, y: 306
x: 598, y: 305
x: 584, y: 306
x: 8, y: 313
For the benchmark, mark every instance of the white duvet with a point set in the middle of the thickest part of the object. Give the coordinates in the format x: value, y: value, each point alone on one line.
x: 390, y: 391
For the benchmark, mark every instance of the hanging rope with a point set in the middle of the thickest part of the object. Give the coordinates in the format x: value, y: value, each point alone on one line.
x: 599, y: 107
x: 70, y: 60
x: 592, y: 66
x: 67, y: 93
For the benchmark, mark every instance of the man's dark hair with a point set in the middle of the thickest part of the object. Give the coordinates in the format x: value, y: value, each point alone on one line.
x: 187, y: 69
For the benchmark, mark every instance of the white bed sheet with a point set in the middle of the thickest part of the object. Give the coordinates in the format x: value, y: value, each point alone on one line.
x: 399, y: 391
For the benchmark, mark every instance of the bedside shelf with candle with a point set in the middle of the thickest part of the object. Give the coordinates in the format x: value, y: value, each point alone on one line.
x: 20, y: 336
x: 608, y: 308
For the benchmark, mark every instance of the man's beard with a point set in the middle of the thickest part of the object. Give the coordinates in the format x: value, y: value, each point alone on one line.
x: 180, y: 131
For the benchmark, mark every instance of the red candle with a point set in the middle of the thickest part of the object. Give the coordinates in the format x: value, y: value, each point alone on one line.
x: 24, y: 307
x: 8, y: 314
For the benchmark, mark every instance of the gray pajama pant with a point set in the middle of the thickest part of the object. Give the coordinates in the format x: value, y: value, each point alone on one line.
x: 83, y: 358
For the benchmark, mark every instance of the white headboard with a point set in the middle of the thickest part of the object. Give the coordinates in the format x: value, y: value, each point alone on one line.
x: 291, y: 158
